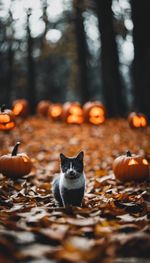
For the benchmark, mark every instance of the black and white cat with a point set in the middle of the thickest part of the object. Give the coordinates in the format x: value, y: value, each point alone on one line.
x: 69, y: 186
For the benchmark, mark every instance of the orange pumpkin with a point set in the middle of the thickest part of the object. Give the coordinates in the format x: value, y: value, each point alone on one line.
x: 7, y: 119
x: 55, y: 112
x: 73, y: 113
x: 20, y: 108
x: 42, y: 108
x: 94, y: 112
x: 137, y: 120
x: 15, y: 165
x: 131, y: 168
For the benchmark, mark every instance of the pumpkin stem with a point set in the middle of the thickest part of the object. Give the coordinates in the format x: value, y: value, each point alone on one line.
x: 128, y: 154
x: 15, y: 150
x: 3, y: 108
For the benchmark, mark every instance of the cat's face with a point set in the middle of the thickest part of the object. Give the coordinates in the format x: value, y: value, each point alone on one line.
x: 72, y: 167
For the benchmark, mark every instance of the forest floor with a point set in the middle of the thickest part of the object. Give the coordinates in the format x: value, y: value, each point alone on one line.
x: 113, y: 223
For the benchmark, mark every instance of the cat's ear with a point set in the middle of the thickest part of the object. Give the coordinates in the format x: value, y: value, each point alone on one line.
x: 80, y: 156
x: 62, y: 157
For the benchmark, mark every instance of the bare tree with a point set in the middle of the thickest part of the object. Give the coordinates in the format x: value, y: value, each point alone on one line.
x: 82, y: 50
x: 141, y: 63
x: 31, y: 90
x: 10, y: 60
x: 112, y: 83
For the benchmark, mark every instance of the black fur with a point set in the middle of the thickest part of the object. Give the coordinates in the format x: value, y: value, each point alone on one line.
x: 55, y: 190
x: 66, y: 196
x: 72, y: 197
x: 76, y: 161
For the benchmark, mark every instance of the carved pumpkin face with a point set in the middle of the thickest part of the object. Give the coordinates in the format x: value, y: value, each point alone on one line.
x: 131, y: 168
x: 20, y: 108
x: 94, y: 113
x: 137, y: 120
x: 7, y: 119
x: 55, y: 112
x: 15, y: 165
x: 42, y: 108
x: 73, y: 113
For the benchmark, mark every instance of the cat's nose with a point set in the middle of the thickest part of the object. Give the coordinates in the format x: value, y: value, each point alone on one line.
x: 72, y: 173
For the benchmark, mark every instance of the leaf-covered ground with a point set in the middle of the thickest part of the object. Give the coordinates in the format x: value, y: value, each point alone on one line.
x: 113, y: 223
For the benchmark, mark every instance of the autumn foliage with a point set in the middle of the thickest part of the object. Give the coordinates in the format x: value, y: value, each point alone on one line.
x: 113, y: 222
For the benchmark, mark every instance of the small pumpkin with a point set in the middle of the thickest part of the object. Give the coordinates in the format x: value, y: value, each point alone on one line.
x: 20, y: 108
x: 42, y: 108
x: 73, y: 113
x: 94, y: 112
x: 15, y: 165
x: 7, y: 119
x: 137, y: 120
x: 131, y: 167
x: 55, y: 112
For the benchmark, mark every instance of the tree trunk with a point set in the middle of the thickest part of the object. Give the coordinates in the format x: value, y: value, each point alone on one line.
x: 10, y: 74
x: 10, y: 62
x: 141, y: 63
x: 45, y: 20
x: 82, y: 50
x: 111, y: 79
x: 31, y: 90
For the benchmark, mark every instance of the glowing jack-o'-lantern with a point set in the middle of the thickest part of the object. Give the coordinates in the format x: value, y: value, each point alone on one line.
x: 42, y: 108
x: 94, y: 112
x: 7, y: 119
x: 137, y: 120
x: 73, y: 113
x: 20, y: 108
x: 15, y: 165
x: 55, y: 112
x: 131, y: 168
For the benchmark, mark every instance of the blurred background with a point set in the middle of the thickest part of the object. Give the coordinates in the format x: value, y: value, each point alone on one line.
x: 76, y: 50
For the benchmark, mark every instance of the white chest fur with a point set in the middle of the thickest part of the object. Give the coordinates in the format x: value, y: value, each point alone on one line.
x: 72, y: 184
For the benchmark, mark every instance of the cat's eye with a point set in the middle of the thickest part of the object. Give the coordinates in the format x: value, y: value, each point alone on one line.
x: 64, y: 167
x: 79, y: 167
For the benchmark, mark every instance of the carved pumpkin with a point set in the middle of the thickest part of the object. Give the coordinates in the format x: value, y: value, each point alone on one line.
x: 20, y: 108
x: 15, y: 165
x: 55, y: 112
x: 73, y: 113
x: 94, y: 112
x: 137, y: 120
x: 7, y: 119
x: 42, y: 108
x: 131, y: 168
